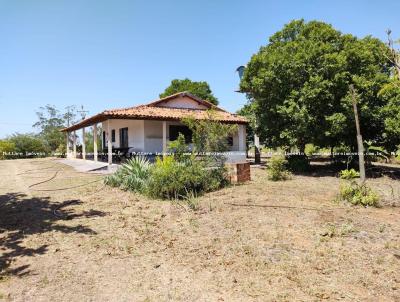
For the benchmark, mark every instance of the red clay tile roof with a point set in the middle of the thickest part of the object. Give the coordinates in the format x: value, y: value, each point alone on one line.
x: 193, y: 97
x: 152, y: 112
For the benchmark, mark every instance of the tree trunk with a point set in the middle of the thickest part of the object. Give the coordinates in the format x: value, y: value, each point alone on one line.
x: 302, y: 149
x: 359, y: 137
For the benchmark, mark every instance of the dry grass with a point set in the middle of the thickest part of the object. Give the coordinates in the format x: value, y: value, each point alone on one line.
x: 262, y: 241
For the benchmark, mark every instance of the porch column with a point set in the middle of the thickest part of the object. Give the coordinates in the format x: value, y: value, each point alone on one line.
x: 95, y: 155
x: 109, y: 143
x: 74, y: 144
x: 164, y: 137
x: 256, y: 141
x: 257, y: 155
x: 242, y: 138
x: 83, y: 144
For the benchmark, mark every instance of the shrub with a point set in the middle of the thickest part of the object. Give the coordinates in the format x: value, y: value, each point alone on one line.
x: 298, y: 163
x: 277, y: 168
x: 349, y: 174
x: 132, y: 176
x: 6, y: 147
x: 311, y: 150
x: 61, y: 150
x: 171, y: 179
x: 28, y: 145
x: 358, y: 194
x: 179, y: 148
x: 209, y: 135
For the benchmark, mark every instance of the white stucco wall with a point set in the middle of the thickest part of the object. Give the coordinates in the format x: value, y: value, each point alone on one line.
x: 135, y: 132
x: 182, y: 102
x: 242, y: 138
x: 153, y: 135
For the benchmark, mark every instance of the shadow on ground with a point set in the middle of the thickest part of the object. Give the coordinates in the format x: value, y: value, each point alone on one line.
x: 373, y: 171
x: 22, y: 216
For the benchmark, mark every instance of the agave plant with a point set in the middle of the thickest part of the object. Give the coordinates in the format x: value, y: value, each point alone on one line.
x: 132, y: 175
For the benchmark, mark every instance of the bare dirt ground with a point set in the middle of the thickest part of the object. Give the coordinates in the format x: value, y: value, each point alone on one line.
x: 72, y: 239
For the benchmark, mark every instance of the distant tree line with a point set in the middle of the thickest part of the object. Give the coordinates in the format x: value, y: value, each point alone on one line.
x: 49, y: 140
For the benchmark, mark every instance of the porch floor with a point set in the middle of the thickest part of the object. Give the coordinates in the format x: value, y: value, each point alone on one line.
x: 88, y: 166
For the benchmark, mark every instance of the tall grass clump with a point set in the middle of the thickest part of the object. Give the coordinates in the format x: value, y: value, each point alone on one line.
x: 131, y: 176
x: 172, y: 179
x: 277, y: 168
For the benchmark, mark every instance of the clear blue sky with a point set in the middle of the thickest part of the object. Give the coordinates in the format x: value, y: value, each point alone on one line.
x: 107, y: 54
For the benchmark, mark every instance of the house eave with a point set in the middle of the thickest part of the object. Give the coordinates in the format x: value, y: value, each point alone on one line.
x: 101, y: 117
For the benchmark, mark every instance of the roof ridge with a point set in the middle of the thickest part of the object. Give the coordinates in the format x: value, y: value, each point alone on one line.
x: 123, y: 108
x: 182, y: 93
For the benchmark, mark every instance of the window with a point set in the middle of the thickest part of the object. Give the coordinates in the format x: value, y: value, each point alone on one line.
x: 123, y: 138
x: 175, y: 130
x: 113, y: 135
x: 104, y: 140
x: 230, y: 141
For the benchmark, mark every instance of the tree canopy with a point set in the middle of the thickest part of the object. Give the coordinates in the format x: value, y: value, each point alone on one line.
x: 50, y: 122
x: 199, y: 89
x: 391, y: 115
x: 299, y: 85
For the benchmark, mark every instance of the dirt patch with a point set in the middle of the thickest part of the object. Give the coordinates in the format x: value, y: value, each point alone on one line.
x: 67, y: 237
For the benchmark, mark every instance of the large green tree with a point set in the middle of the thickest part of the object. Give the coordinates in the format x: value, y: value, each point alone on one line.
x: 391, y: 115
x: 199, y: 89
x: 300, y: 80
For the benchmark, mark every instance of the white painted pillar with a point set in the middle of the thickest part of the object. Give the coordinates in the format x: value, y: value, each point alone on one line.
x: 242, y: 138
x: 256, y: 141
x: 95, y: 153
x: 74, y: 144
x: 109, y: 145
x: 83, y: 144
x: 164, y: 137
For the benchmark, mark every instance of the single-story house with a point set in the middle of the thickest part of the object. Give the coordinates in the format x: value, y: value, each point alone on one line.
x: 148, y: 128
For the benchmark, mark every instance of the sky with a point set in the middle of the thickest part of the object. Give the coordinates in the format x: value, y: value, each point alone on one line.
x: 116, y: 53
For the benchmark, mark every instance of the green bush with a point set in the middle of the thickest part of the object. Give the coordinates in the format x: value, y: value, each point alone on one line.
x: 28, y: 145
x: 131, y: 176
x: 358, y: 194
x: 179, y: 148
x: 277, y: 168
x: 298, y: 163
x: 349, y: 174
x: 311, y: 150
x: 171, y: 179
x: 6, y: 147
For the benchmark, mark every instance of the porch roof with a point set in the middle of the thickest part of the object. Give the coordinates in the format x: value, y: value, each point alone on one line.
x: 152, y: 112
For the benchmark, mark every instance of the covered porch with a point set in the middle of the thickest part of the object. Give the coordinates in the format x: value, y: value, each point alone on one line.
x: 127, y: 137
